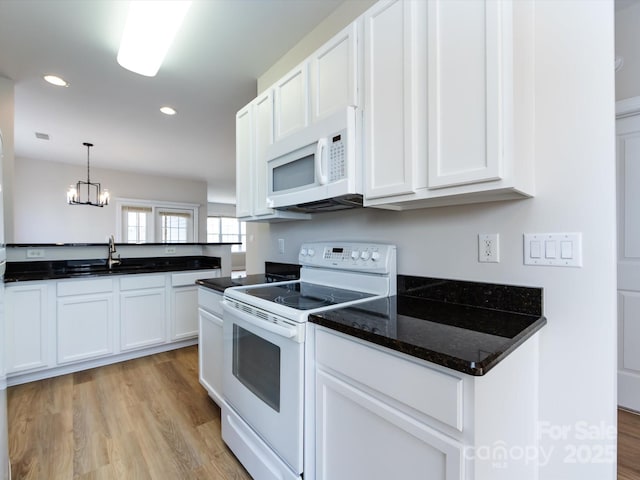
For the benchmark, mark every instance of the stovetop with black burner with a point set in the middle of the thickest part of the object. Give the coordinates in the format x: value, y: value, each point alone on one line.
x: 305, y: 296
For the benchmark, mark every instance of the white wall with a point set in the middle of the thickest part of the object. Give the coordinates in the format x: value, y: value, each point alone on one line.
x: 6, y: 126
x: 42, y: 214
x: 628, y: 47
x: 575, y: 182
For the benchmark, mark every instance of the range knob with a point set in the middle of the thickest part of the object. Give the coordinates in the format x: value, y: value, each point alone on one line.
x: 303, y: 252
x: 375, y: 256
x: 355, y: 254
x: 311, y: 252
x: 364, y: 256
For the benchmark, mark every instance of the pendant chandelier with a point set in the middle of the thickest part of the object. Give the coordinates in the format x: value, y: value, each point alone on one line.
x: 94, y: 196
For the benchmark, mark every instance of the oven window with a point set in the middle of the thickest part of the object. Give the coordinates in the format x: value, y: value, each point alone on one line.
x: 298, y: 173
x: 256, y: 363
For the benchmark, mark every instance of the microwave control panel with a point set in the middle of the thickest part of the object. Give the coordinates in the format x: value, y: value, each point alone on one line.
x: 337, y: 157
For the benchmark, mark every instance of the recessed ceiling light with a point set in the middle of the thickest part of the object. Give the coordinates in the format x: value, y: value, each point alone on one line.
x: 168, y: 110
x: 55, y: 80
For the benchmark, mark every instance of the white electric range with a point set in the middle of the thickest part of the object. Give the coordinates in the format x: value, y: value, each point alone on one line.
x: 264, y: 334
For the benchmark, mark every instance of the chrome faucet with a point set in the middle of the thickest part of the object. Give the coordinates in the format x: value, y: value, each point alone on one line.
x: 111, y: 260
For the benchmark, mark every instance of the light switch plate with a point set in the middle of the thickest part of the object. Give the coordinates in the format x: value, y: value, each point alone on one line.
x: 553, y: 249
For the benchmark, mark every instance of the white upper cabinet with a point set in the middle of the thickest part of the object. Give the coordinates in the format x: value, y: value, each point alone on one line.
x: 388, y: 98
x: 244, y: 156
x: 334, y: 74
x: 254, y: 133
x: 467, y: 72
x: 263, y: 133
x: 440, y: 97
x: 292, y: 102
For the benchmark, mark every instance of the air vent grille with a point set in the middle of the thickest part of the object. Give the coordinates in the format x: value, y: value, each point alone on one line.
x: 254, y: 311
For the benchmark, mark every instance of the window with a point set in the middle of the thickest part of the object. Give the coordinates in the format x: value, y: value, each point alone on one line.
x: 137, y: 220
x: 174, y: 226
x: 143, y: 221
x: 227, y: 229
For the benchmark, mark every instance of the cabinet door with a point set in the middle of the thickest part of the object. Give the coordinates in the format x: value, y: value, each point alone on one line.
x: 142, y: 318
x: 334, y: 73
x: 85, y: 327
x: 360, y: 436
x: 292, y: 102
x: 263, y: 135
x: 26, y: 318
x: 468, y: 56
x: 387, y: 99
x: 244, y: 155
x: 210, y: 354
x: 185, y: 312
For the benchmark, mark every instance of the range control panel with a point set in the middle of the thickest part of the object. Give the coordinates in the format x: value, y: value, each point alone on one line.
x: 367, y: 257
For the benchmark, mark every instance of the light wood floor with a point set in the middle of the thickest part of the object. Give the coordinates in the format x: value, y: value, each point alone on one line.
x: 143, y: 419
x: 150, y: 419
x: 628, y: 445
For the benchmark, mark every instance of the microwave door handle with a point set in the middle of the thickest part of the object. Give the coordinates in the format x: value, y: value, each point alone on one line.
x: 321, y: 160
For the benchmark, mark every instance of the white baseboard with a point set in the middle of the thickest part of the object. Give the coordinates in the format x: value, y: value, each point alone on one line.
x: 19, y: 378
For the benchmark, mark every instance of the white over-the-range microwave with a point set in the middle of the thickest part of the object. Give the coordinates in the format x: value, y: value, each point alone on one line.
x: 318, y: 168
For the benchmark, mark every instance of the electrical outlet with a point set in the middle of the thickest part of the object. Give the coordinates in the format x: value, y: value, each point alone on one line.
x: 488, y: 247
x: 281, y: 246
x: 169, y: 249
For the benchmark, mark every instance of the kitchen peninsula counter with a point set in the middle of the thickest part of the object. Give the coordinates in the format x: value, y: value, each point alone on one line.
x: 85, y: 268
x: 466, y: 326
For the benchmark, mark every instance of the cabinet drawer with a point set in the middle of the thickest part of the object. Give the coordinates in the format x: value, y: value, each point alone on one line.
x: 209, y: 300
x: 426, y: 390
x: 189, y: 278
x: 84, y: 287
x: 139, y: 282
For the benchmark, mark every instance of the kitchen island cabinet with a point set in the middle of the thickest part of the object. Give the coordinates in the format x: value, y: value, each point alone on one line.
x: 84, y: 320
x: 26, y: 327
x: 59, y: 326
x: 143, y: 307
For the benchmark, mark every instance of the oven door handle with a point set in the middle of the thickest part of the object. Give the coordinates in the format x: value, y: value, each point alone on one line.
x: 286, y: 332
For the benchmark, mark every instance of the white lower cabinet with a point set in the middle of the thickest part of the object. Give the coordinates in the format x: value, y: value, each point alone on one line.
x: 357, y: 431
x: 184, y: 302
x: 143, y: 311
x: 84, y: 320
x: 54, y: 327
x: 210, y: 346
x: 26, y: 326
x: 373, y: 413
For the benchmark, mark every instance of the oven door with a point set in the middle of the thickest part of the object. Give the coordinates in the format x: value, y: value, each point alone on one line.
x: 263, y: 379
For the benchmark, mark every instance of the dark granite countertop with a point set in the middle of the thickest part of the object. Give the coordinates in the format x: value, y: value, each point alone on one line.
x: 466, y: 326
x: 275, y: 272
x: 60, y: 269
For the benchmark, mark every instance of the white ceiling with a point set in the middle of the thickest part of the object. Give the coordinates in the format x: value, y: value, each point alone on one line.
x: 209, y: 73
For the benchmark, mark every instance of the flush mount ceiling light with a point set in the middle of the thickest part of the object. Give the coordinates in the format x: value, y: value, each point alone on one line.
x: 151, y: 27
x: 94, y: 197
x: 55, y: 80
x: 168, y: 110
